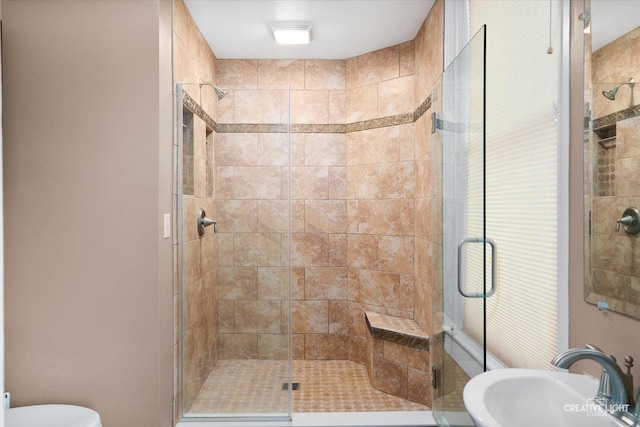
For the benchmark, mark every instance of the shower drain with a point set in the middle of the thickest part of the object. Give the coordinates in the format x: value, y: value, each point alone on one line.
x: 294, y: 386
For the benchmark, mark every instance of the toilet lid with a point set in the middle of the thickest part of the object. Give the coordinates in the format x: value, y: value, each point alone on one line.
x: 52, y: 416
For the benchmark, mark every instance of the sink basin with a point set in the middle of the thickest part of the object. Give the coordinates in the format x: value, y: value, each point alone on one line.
x: 534, y: 398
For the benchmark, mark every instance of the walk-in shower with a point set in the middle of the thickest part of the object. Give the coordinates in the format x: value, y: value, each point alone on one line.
x: 271, y: 320
x: 309, y: 172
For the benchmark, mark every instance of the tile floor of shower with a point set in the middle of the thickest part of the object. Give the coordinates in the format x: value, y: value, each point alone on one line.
x: 256, y: 386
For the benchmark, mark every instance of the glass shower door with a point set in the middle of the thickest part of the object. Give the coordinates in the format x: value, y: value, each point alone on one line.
x: 234, y: 278
x: 468, y: 254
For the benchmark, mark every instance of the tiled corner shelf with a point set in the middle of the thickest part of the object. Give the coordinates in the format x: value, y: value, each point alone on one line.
x: 397, y: 330
x: 397, y: 357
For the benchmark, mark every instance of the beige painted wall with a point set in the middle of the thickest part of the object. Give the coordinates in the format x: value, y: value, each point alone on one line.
x: 87, y: 176
x: 614, y: 333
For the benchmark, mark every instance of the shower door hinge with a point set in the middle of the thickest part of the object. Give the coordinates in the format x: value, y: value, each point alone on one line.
x: 434, y: 376
x: 434, y: 122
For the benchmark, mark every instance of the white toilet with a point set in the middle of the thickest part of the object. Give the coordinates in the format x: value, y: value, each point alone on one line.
x: 52, y: 416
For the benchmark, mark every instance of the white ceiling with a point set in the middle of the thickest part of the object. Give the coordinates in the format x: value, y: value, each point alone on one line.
x: 611, y: 19
x: 239, y: 29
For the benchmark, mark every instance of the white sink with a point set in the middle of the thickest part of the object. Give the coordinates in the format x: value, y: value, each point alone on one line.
x: 533, y: 398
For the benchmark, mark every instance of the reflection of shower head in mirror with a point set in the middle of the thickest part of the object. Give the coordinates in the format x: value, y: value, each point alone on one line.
x: 611, y: 93
x: 219, y: 92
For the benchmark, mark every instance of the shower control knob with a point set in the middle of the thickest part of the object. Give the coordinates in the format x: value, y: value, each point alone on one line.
x: 203, y: 221
x: 630, y: 221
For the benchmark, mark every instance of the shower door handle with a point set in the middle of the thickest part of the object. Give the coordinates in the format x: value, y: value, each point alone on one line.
x: 494, y: 256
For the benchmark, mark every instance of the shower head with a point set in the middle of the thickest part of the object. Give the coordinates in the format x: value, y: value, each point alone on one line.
x: 219, y: 92
x: 611, y: 93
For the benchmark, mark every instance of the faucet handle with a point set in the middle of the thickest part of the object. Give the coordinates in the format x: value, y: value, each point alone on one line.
x: 604, y: 387
x: 630, y: 220
x: 627, y: 378
x: 628, y: 363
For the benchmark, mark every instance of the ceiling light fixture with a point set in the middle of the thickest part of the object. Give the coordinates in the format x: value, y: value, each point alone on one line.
x: 291, y: 32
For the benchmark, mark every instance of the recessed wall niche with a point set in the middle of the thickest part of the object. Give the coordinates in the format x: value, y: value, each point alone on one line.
x: 187, y: 158
x: 193, y: 154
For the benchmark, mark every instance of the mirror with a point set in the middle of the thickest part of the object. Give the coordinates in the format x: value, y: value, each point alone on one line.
x: 612, y: 155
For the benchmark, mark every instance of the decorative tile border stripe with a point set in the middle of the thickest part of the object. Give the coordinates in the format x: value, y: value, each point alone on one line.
x: 616, y: 117
x: 355, y: 127
x: 319, y: 128
x: 196, y: 109
x: 250, y: 128
x: 381, y: 122
x: 378, y: 123
x: 426, y: 104
x: 399, y: 119
x: 402, y: 119
x: 605, y: 121
x: 402, y: 338
x: 628, y: 113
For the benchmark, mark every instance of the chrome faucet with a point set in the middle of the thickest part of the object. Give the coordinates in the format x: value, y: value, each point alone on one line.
x: 614, y: 380
x: 618, y: 390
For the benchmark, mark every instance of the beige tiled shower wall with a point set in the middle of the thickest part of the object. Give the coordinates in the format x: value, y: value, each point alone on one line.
x: 614, y: 63
x: 200, y: 291
x: 614, y: 274
x: 428, y: 197
x: 252, y: 190
x: 193, y: 60
x: 390, y: 207
x: 353, y: 208
x: 380, y: 189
